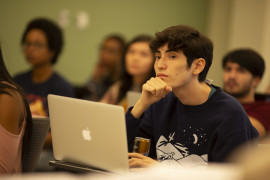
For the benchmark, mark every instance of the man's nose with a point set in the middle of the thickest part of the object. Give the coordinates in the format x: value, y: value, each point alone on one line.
x: 162, y: 63
x: 232, y: 74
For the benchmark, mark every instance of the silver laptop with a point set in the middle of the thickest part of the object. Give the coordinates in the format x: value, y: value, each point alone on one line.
x: 89, y: 134
x: 132, y: 98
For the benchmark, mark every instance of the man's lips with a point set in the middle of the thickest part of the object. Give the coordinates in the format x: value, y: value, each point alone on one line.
x: 231, y: 83
x: 160, y: 75
x: 231, y: 86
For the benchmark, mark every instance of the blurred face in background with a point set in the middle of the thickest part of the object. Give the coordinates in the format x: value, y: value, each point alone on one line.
x: 111, y: 53
x: 36, y: 49
x: 139, y: 59
x: 237, y: 80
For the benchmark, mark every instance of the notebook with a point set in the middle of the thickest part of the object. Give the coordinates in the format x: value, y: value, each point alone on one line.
x: 132, y: 98
x: 89, y: 134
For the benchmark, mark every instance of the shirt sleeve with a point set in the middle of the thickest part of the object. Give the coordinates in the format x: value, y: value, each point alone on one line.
x: 141, y: 127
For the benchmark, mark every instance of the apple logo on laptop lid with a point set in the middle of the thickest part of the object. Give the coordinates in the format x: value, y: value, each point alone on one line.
x: 86, y: 134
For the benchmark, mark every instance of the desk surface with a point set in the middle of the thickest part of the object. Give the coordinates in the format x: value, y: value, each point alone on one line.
x: 221, y: 172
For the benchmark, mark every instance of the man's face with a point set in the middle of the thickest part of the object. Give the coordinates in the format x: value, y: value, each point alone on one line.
x: 237, y: 80
x: 172, y: 67
x: 110, y: 53
x: 36, y: 48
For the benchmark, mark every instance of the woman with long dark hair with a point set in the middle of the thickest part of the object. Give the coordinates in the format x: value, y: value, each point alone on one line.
x: 137, y: 68
x: 15, y: 122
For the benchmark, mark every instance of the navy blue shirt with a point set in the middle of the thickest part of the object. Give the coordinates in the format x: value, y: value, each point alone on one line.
x: 192, y: 135
x: 37, y: 92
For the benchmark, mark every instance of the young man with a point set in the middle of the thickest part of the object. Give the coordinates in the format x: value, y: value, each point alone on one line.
x: 188, y: 121
x: 243, y: 70
x: 42, y: 43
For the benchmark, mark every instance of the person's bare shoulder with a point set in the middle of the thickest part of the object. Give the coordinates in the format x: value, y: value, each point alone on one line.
x: 267, y: 91
x: 258, y: 125
x: 11, y: 112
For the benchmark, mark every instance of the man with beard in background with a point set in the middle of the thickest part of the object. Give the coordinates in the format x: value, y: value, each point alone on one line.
x: 243, y: 71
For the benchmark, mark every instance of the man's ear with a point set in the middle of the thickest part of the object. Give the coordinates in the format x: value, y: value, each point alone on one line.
x: 256, y: 81
x: 198, y: 66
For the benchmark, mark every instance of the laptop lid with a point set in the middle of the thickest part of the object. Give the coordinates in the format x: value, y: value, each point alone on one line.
x: 88, y: 133
x: 132, y: 98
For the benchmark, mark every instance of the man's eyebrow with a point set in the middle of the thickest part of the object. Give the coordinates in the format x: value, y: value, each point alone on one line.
x: 171, y: 50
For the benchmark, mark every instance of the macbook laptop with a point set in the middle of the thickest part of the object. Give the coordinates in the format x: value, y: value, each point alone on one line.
x: 132, y: 98
x: 88, y: 134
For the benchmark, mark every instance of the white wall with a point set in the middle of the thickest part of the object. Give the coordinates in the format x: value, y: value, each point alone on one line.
x: 240, y: 24
x: 218, y: 33
x: 266, y: 46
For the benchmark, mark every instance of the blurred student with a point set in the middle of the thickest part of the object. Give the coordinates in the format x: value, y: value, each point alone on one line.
x: 243, y: 71
x: 15, y: 123
x: 42, y: 43
x: 188, y: 121
x: 137, y: 68
x: 107, y: 69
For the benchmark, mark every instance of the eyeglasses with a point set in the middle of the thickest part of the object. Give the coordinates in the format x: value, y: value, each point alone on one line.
x: 35, y: 45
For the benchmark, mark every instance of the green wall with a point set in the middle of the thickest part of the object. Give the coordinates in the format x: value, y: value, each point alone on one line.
x: 128, y: 17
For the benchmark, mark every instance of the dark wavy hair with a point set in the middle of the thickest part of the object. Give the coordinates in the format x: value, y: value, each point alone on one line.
x: 248, y: 59
x: 53, y: 34
x: 189, y: 40
x: 5, y: 76
x: 126, y: 78
x: 117, y: 37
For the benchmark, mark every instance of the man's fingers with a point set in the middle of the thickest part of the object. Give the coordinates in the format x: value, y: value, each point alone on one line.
x: 140, y: 161
x: 168, y: 88
x: 159, y: 86
x: 136, y: 163
x: 156, y: 86
x: 160, y: 81
x: 165, y: 88
x: 136, y: 160
x: 136, y: 155
x: 149, y: 88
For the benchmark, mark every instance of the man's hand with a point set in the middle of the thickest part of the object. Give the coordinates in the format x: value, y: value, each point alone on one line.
x: 140, y: 161
x: 152, y: 91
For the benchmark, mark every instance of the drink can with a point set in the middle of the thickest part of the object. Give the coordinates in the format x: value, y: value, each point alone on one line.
x: 141, y: 145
